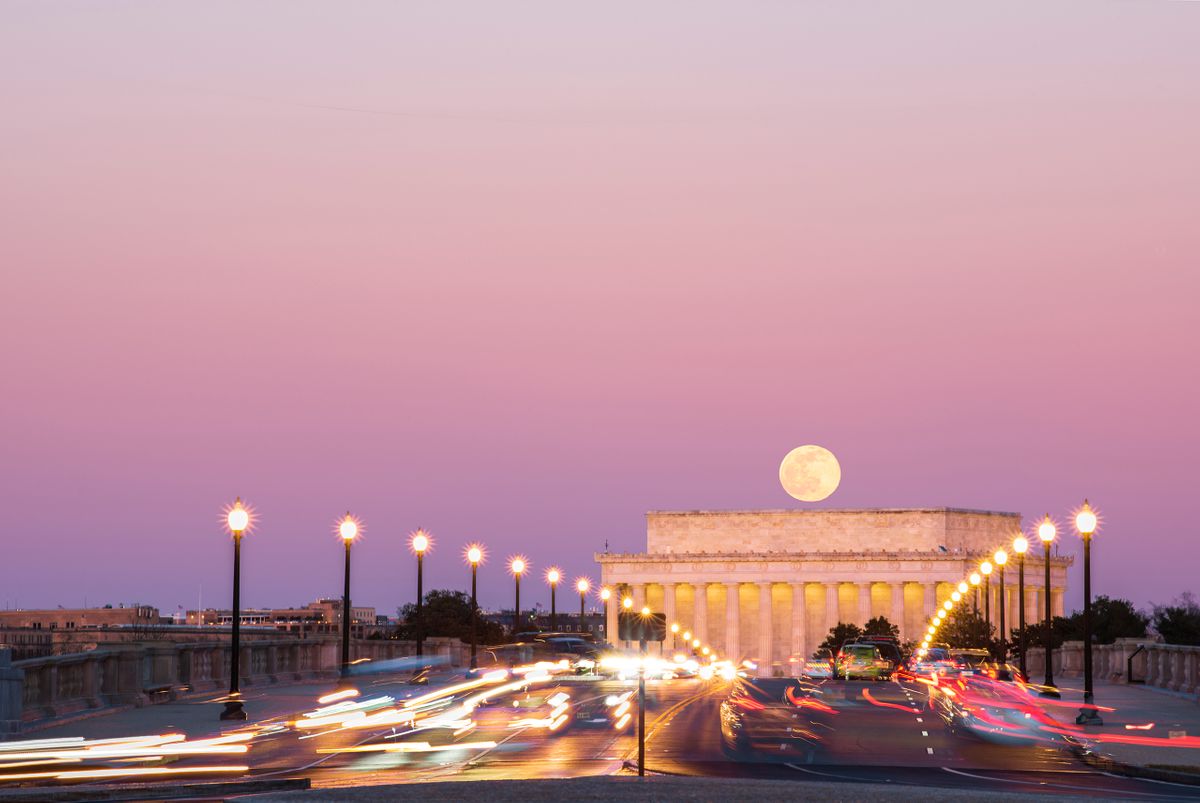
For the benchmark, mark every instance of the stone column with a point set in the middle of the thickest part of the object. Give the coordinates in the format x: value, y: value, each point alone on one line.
x: 1056, y: 601
x: 639, y: 596
x: 897, y: 615
x: 669, y: 602
x: 765, y: 640
x: 611, y: 610
x: 799, y: 642
x: 700, y: 612
x: 930, y: 600
x: 864, y: 603
x: 831, y: 607
x: 733, y: 615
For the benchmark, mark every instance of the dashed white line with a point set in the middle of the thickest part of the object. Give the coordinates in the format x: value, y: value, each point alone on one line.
x: 929, y: 750
x: 921, y: 720
x: 924, y: 733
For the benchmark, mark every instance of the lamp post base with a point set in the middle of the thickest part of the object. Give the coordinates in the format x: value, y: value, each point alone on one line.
x: 1050, y: 691
x: 1088, y: 715
x: 233, y: 709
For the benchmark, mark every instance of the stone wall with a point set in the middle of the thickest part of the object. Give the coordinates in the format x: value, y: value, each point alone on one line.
x: 862, y: 532
x: 41, y: 691
x: 1172, y: 667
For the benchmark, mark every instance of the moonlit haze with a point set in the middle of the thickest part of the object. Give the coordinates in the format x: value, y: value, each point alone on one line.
x: 517, y: 278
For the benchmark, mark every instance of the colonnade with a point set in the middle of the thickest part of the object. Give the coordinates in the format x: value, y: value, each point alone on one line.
x: 779, y: 624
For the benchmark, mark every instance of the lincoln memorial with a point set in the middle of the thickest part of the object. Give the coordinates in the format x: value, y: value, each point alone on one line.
x: 768, y: 585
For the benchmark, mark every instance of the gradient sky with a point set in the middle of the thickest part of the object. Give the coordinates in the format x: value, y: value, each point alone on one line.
x: 520, y: 272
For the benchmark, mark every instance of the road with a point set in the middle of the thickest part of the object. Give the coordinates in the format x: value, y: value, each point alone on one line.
x: 882, y: 733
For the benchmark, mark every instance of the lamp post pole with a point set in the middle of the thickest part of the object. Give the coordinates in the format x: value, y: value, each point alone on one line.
x: 552, y: 577
x: 987, y: 592
x: 1001, y: 558
x: 474, y: 556
x: 517, y: 566
x: 1047, y: 532
x: 1085, y: 524
x: 419, y: 543
x: 348, y: 530
x: 238, y: 519
x: 582, y: 585
x: 642, y: 697
x: 1020, y: 545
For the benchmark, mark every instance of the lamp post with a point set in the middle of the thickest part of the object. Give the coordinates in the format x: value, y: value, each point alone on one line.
x: 975, y: 580
x: 605, y: 596
x: 419, y: 542
x: 627, y: 607
x: 348, y: 530
x: 582, y: 585
x: 642, y: 693
x: 1085, y: 525
x: 553, y: 575
x: 474, y: 557
x: 1001, y: 558
x: 237, y: 519
x: 1020, y: 546
x: 985, y: 569
x: 1046, y: 532
x: 674, y: 635
x: 517, y: 566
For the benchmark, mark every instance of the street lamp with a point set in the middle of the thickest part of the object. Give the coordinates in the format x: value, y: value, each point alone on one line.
x: 1047, y: 532
x: 237, y: 520
x: 674, y: 635
x: 1085, y: 525
x: 474, y: 557
x: 605, y: 596
x: 955, y: 596
x: 347, y: 529
x: 627, y: 606
x: 517, y: 566
x: 986, y: 569
x: 975, y: 580
x: 419, y: 542
x: 1001, y: 558
x: 1021, y: 546
x: 582, y: 585
x: 642, y: 691
x: 553, y: 575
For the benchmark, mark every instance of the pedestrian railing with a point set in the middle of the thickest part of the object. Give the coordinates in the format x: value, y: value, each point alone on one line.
x: 1174, y: 667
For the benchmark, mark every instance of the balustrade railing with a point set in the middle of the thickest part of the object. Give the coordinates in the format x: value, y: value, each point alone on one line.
x: 1173, y: 667
x: 39, y: 691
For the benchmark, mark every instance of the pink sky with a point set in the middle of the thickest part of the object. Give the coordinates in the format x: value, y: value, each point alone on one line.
x: 519, y: 273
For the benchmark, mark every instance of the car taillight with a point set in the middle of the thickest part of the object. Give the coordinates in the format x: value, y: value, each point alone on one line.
x: 747, y: 704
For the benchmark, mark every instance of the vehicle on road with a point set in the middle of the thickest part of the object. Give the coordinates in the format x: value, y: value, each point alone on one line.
x: 933, y: 661
x: 993, y: 710
x: 776, y: 712
x: 970, y: 661
x: 817, y: 667
x: 864, y: 661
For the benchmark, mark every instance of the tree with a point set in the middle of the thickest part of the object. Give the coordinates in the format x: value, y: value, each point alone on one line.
x: 880, y: 626
x: 1113, y: 619
x: 1179, y: 623
x: 839, y: 635
x: 446, y: 613
x: 966, y: 629
x: 1061, y: 629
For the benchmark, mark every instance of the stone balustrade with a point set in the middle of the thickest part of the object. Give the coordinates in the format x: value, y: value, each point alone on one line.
x: 1168, y: 666
x: 37, y: 692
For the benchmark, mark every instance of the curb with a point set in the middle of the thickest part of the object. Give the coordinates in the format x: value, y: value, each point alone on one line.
x: 166, y: 791
x: 1107, y: 764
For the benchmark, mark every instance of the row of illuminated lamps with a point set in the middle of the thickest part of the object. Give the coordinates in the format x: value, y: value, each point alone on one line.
x: 694, y: 643
x: 1086, y: 522
x: 239, y: 518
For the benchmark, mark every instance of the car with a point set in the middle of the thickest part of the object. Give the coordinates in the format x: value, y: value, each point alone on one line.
x: 818, y: 667
x: 863, y: 661
x: 997, y: 711
x: 970, y: 661
x: 780, y: 712
x: 889, y: 648
x: 932, y: 661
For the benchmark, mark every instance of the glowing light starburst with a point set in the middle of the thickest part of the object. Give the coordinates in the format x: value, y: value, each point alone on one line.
x: 420, y: 541
x: 474, y: 553
x: 518, y: 564
x: 348, y: 528
x: 238, y: 518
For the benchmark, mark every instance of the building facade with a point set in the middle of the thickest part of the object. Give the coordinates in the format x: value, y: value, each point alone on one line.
x: 768, y: 585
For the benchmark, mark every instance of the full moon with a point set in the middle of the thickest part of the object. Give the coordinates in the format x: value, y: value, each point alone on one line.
x: 810, y: 473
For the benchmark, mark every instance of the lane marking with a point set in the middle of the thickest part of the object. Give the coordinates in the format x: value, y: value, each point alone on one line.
x: 924, y: 733
x: 929, y: 750
x: 921, y: 720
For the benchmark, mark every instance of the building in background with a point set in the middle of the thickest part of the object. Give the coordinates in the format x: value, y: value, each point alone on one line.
x: 769, y: 584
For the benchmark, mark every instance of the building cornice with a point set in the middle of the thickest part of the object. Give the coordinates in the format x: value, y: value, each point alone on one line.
x: 815, y: 511
x: 758, y: 557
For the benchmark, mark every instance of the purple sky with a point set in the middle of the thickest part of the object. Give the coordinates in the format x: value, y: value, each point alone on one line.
x: 519, y: 273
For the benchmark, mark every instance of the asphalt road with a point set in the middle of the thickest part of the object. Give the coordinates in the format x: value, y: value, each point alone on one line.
x: 882, y: 733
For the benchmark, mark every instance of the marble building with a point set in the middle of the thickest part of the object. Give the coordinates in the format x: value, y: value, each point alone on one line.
x: 768, y: 585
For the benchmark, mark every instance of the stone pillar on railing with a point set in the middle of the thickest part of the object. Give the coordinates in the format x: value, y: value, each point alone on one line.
x: 1163, y: 673
x: 92, y: 669
x: 1190, y: 683
x: 1177, y: 655
x: 12, y: 681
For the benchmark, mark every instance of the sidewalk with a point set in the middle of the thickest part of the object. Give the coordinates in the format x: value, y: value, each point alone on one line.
x: 1171, y: 742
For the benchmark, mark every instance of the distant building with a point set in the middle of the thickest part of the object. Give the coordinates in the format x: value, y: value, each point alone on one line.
x: 594, y: 622
x: 321, y: 616
x: 80, y: 618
